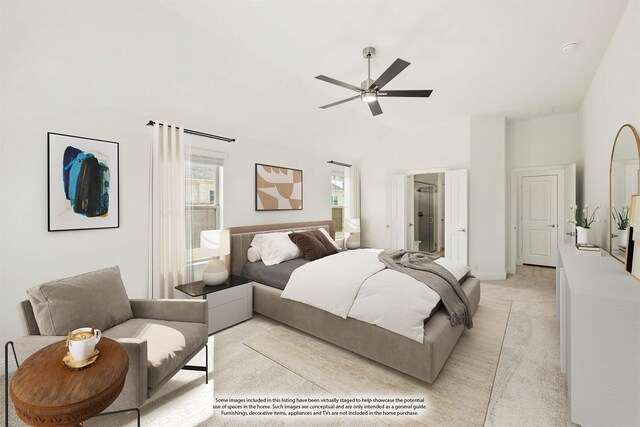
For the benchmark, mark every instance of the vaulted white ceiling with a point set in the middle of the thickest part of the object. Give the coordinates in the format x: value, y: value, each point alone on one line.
x: 246, y: 68
x: 479, y: 57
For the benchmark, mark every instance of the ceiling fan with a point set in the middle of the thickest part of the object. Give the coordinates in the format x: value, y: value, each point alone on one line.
x: 370, y: 90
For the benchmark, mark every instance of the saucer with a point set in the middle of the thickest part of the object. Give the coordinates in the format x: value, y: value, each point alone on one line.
x: 76, y: 365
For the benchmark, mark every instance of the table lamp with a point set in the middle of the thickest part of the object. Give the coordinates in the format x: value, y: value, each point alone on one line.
x: 214, y: 244
x: 352, y: 226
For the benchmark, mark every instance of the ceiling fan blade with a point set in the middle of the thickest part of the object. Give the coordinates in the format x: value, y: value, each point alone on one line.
x: 393, y: 70
x: 340, y: 102
x: 339, y: 83
x: 406, y: 93
x: 375, y: 108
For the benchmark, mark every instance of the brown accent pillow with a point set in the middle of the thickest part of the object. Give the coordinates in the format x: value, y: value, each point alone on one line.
x: 330, y: 247
x: 309, y: 245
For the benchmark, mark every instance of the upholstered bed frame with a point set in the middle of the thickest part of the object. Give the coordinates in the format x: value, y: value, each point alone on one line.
x: 423, y: 361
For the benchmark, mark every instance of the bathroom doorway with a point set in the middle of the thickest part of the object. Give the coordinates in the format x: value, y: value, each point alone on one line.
x: 428, y: 212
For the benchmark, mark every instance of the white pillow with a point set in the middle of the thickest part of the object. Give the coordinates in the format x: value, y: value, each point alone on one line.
x: 328, y: 236
x: 253, y: 255
x: 275, y: 248
x: 458, y: 269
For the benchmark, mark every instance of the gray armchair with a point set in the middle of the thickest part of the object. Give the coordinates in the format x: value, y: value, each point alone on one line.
x: 160, y: 336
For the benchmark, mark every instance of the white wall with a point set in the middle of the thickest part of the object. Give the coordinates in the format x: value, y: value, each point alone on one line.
x: 477, y: 144
x: 613, y: 99
x: 543, y: 141
x: 442, y: 144
x: 487, y: 202
x: 239, y: 182
x: 536, y: 142
x: 107, y: 85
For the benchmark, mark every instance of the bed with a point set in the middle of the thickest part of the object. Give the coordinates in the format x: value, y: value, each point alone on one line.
x: 420, y: 360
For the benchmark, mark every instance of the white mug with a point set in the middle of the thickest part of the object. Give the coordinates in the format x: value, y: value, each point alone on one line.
x: 83, y: 349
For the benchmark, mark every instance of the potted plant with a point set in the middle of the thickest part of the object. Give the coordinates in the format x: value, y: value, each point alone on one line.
x: 622, y: 221
x: 583, y: 223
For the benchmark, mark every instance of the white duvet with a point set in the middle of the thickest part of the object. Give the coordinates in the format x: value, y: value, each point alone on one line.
x: 355, y: 284
x: 332, y: 283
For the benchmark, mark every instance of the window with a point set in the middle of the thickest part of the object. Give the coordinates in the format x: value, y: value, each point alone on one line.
x: 203, y: 201
x: 337, y: 201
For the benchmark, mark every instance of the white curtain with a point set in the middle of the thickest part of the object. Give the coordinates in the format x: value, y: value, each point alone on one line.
x: 352, y: 192
x: 168, y: 202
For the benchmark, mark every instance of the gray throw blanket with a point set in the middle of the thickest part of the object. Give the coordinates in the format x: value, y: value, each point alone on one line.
x: 421, y: 267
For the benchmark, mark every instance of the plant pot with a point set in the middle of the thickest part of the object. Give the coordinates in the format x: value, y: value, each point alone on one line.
x: 582, y: 235
x: 622, y: 238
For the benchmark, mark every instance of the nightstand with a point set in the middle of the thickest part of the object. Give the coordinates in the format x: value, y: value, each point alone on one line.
x: 229, y: 303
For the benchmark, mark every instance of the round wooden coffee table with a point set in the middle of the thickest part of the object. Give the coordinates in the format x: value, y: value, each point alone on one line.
x: 46, y: 393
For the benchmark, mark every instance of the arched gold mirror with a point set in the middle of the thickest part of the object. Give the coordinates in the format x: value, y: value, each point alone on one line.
x: 624, y: 174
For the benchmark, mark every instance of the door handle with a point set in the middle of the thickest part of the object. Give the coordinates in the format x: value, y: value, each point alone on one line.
x: 388, y: 226
x: 552, y: 226
x: 572, y: 233
x: 462, y: 229
x: 410, y: 225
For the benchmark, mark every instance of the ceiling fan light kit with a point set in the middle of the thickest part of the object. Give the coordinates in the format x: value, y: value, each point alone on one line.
x: 369, y: 96
x: 369, y: 90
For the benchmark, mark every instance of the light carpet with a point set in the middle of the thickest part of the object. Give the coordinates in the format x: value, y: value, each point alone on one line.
x: 528, y: 390
x: 460, y: 395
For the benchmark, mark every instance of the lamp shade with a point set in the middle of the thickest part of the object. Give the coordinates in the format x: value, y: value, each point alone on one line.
x: 351, y: 225
x: 214, y: 243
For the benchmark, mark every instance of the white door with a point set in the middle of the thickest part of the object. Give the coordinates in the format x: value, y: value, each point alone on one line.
x: 411, y: 225
x: 539, y: 218
x: 396, y: 219
x: 455, y: 215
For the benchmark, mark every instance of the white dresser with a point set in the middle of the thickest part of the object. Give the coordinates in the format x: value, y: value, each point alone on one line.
x: 599, y: 308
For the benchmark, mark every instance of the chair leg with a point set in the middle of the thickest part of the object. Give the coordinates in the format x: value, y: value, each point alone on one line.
x: 6, y: 378
x: 201, y: 368
x: 121, y: 412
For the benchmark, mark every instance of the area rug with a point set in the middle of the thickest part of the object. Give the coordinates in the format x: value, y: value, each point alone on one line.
x: 459, y: 396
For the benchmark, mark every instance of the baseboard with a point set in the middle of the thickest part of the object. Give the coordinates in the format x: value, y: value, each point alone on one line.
x: 501, y: 275
x: 12, y: 364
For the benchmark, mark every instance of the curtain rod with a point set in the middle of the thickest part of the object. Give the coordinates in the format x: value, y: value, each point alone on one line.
x: 198, y: 133
x: 333, y: 162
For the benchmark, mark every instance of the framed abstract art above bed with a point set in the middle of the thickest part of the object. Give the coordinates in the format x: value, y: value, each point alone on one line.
x: 278, y: 188
x: 83, y: 183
